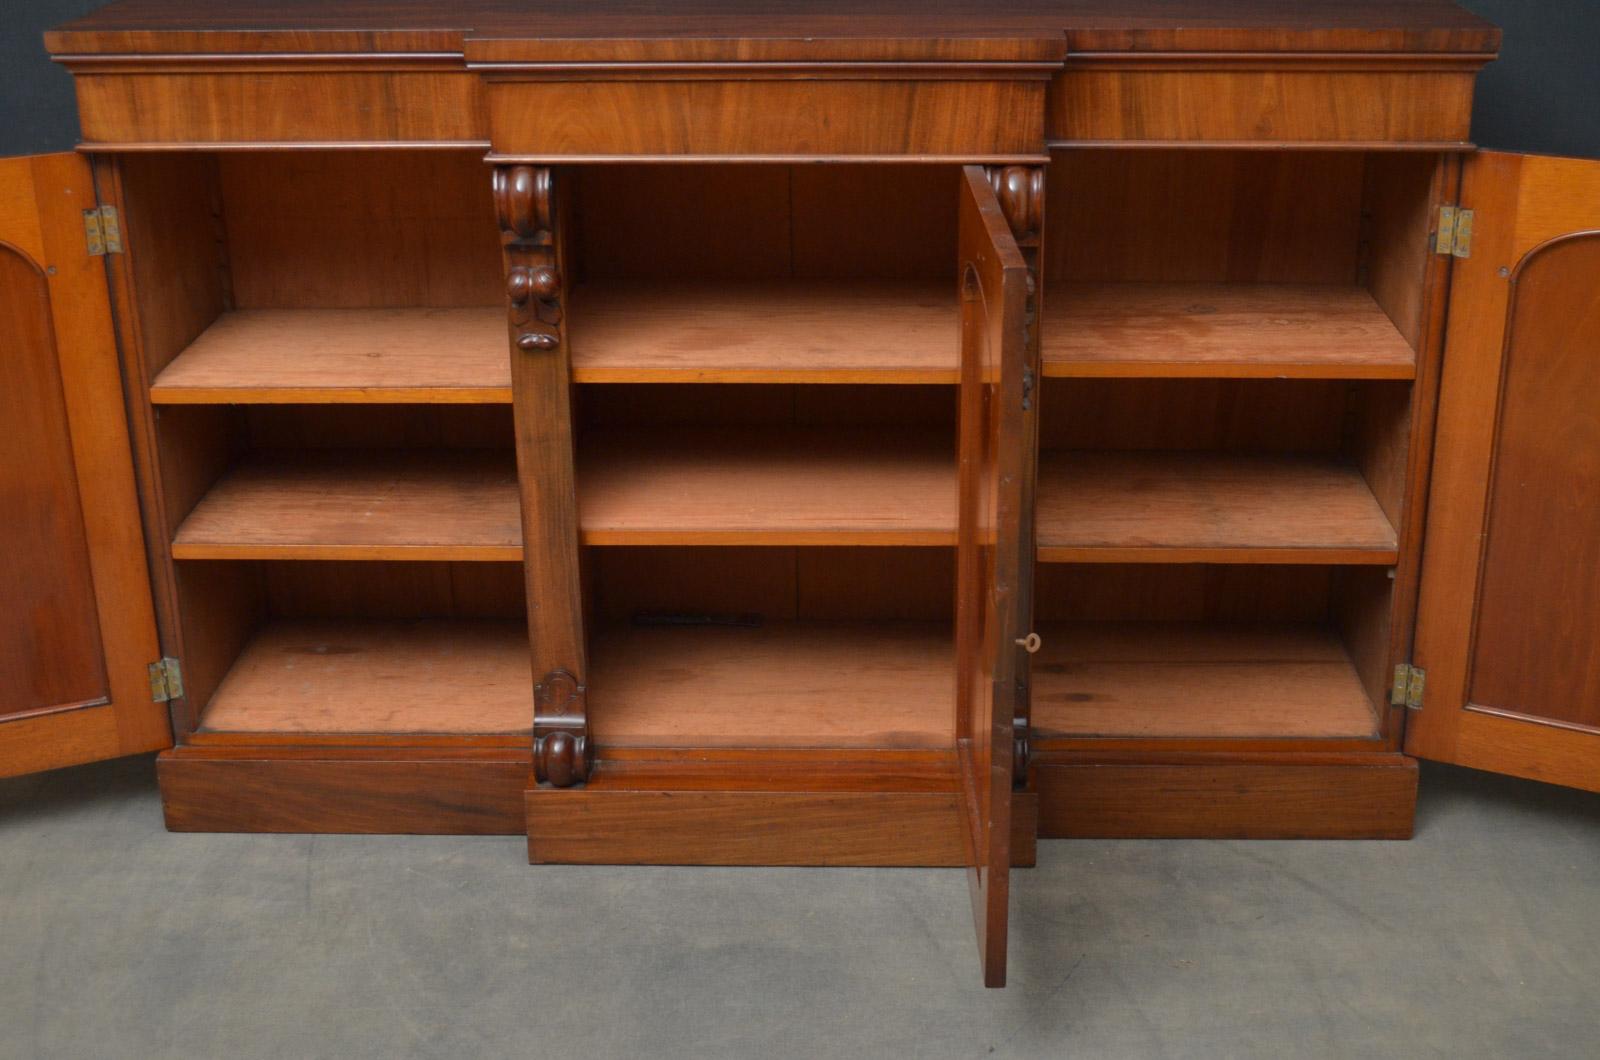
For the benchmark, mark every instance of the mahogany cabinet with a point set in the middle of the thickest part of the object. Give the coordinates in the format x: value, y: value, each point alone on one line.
x: 690, y: 438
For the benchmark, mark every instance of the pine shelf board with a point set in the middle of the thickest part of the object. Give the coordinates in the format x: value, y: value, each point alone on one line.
x: 344, y: 356
x: 795, y: 331
x: 869, y: 331
x: 1244, y: 331
x: 780, y: 487
x: 1206, y: 507
x: 1183, y: 680
x: 457, y: 505
x: 885, y: 685
x: 455, y: 676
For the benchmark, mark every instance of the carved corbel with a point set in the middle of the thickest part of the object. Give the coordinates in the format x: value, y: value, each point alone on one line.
x: 527, y: 235
x: 562, y: 753
x: 1020, y: 190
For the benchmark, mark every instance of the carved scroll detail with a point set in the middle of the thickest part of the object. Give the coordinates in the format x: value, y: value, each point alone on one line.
x: 562, y: 753
x: 1020, y: 190
x: 523, y: 200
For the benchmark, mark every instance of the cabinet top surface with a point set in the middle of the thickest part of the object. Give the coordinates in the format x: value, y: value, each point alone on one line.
x: 724, y: 30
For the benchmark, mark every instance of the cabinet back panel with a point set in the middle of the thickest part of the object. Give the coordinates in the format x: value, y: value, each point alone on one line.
x: 1281, y: 416
x: 171, y: 219
x: 393, y: 590
x: 1181, y: 593
x: 1399, y: 203
x: 378, y: 426
x: 1187, y: 216
x: 759, y: 406
x: 689, y: 222
x: 361, y: 230
x: 826, y: 584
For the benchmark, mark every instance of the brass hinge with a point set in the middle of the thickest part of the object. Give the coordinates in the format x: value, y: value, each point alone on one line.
x: 1455, y: 232
x: 102, y: 229
x: 166, y: 680
x: 1409, y: 684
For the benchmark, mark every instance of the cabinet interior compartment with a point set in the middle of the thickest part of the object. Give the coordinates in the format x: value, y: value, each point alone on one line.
x: 769, y: 566
x: 771, y: 648
x: 761, y: 273
x: 318, y: 276
x: 347, y: 568
x: 1222, y: 470
x: 1245, y: 264
x: 1204, y: 651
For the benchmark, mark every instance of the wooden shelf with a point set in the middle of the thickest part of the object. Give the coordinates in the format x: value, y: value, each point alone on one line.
x: 1245, y: 331
x: 800, y: 331
x: 344, y: 356
x: 796, y: 332
x: 1182, y: 507
x: 796, y: 685
x: 784, y: 487
x: 378, y: 677
x: 1179, y: 680
x: 392, y: 505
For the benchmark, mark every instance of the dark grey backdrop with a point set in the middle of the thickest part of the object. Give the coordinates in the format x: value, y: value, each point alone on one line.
x: 1542, y: 95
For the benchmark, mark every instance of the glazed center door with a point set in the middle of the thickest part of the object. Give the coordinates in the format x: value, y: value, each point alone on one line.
x: 77, y: 629
x: 994, y: 549
x: 1508, y: 627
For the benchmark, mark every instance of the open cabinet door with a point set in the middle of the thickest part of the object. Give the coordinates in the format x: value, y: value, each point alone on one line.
x: 1508, y: 625
x: 77, y: 628
x: 990, y: 613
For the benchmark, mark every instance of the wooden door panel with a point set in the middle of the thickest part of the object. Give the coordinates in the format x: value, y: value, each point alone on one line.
x: 1509, y: 621
x: 991, y: 665
x: 77, y: 633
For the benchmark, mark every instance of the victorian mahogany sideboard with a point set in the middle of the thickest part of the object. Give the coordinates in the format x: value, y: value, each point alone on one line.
x: 791, y: 433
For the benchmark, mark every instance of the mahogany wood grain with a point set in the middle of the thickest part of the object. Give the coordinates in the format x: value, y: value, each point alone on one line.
x: 1158, y: 680
x: 50, y: 650
x: 416, y: 791
x: 326, y: 356
x: 404, y: 505
x: 1294, y: 100
x: 708, y: 30
x: 1537, y: 642
x: 600, y: 826
x: 211, y: 108
x: 885, y: 810
x: 1106, y: 507
x: 346, y: 676
x: 1302, y: 796
x: 79, y: 630
x: 1499, y: 613
x: 1275, y: 331
x: 827, y: 115
x: 778, y: 488
x: 805, y: 684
